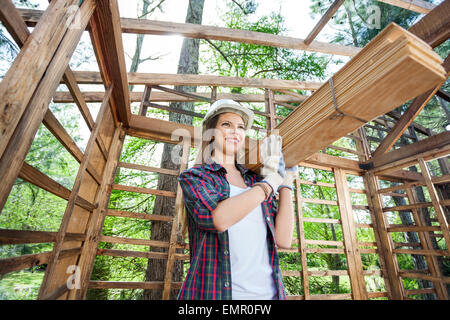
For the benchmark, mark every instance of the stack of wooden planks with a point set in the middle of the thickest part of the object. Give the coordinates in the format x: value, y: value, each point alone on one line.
x: 393, y: 68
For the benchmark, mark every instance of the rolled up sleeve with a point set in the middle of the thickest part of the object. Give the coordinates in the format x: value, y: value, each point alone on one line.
x: 200, y: 197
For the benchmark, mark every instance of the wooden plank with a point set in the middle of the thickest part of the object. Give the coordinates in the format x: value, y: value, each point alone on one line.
x: 106, y: 38
x: 408, y: 116
x: 34, y: 176
x: 423, y: 252
x: 322, y: 220
x: 190, y: 30
x: 430, y: 148
x: 147, y: 168
x: 21, y: 139
x: 145, y: 99
x: 130, y: 285
x: 309, y: 126
x: 45, y: 287
x: 19, y: 83
x: 144, y: 190
x: 403, y: 228
x: 419, y: 6
x: 56, y: 128
x: 323, y: 21
x: 385, y: 244
x: 301, y: 239
x: 8, y: 236
x: 271, y: 121
x: 408, y: 207
x: 414, y: 275
x: 439, y: 210
x: 138, y: 215
x: 140, y: 242
x: 324, y: 242
x: 90, y: 77
x: 78, y: 98
x: 179, y: 206
x: 94, y: 228
x: 157, y: 96
x: 434, y: 28
x: 352, y: 249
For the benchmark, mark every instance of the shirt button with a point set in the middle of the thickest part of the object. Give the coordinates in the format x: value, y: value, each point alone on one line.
x: 267, y: 218
x: 227, y: 284
x: 225, y: 252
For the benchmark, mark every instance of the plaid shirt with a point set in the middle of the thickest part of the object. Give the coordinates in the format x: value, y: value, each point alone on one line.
x: 209, y: 274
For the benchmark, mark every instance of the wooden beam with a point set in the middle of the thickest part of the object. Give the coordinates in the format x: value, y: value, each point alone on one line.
x: 106, y: 38
x: 413, y: 5
x: 434, y: 28
x: 94, y: 229
x: 34, y: 176
x: 190, y: 30
x: 8, y: 236
x: 24, y: 75
x: 408, y: 116
x: 430, y: 148
x: 323, y: 21
x: 91, y: 77
x: 157, y: 96
x: 47, y: 282
x: 24, y: 133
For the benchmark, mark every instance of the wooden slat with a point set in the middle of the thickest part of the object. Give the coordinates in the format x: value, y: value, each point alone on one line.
x: 439, y: 210
x: 147, y: 168
x: 140, y: 254
x: 144, y: 190
x: 419, y: 6
x: 8, y: 236
x: 94, y: 228
x: 138, y: 215
x: 434, y: 28
x: 179, y: 206
x: 19, y: 83
x: 352, y: 250
x: 408, y: 207
x: 423, y: 252
x: 301, y: 239
x: 106, y: 38
x: 21, y: 139
x: 141, y: 242
x: 429, y: 148
x: 414, y: 275
x: 323, y: 21
x: 408, y: 116
x: 157, y: 96
x: 403, y: 228
x: 34, y: 176
x: 190, y: 30
x: 322, y: 220
x: 44, y: 290
x: 148, y: 285
x: 324, y: 242
x: 89, y: 77
x: 56, y: 128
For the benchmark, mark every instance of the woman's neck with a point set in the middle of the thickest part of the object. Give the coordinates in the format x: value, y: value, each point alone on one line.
x: 226, y: 161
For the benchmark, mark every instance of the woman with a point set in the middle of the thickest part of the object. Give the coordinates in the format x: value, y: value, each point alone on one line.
x: 233, y: 221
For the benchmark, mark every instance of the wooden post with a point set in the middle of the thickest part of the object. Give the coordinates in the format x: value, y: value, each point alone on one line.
x: 425, y: 241
x: 271, y: 121
x: 301, y: 239
x: 45, y: 287
x: 145, y: 99
x: 21, y: 139
x: 443, y: 223
x: 352, y: 250
x: 95, y: 223
x: 31, y: 64
x: 213, y: 94
x: 174, y: 232
x: 385, y: 245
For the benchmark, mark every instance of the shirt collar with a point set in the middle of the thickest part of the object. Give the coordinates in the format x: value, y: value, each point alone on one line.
x: 214, y: 166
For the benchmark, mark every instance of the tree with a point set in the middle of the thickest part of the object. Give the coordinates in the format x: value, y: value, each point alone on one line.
x: 188, y: 64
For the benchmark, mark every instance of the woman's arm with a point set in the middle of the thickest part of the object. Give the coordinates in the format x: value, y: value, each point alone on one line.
x: 233, y: 209
x: 284, y: 220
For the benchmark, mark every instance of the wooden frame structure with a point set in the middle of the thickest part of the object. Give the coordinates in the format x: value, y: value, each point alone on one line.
x: 24, y: 101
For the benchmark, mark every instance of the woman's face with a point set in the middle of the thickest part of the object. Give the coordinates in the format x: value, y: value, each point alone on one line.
x: 230, y: 133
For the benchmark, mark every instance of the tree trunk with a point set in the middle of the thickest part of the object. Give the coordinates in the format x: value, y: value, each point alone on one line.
x: 188, y: 64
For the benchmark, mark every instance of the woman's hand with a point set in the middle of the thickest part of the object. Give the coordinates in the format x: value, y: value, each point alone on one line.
x: 291, y: 174
x: 272, y: 160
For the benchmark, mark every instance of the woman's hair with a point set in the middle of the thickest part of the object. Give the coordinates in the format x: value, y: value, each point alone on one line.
x: 203, y: 156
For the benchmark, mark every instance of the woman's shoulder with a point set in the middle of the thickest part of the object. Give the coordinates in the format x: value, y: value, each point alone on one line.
x: 197, y: 171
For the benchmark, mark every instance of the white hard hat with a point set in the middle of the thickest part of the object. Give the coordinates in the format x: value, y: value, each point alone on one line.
x: 228, y: 105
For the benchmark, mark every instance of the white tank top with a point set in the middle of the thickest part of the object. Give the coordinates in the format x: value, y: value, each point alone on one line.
x: 251, y: 273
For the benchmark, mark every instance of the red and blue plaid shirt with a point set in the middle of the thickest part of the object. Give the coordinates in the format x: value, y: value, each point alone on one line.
x: 209, y: 274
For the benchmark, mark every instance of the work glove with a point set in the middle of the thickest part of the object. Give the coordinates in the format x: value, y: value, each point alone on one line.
x: 273, y: 169
x: 291, y: 174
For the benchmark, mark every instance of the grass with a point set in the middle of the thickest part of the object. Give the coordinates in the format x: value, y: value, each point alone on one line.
x: 21, y: 285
